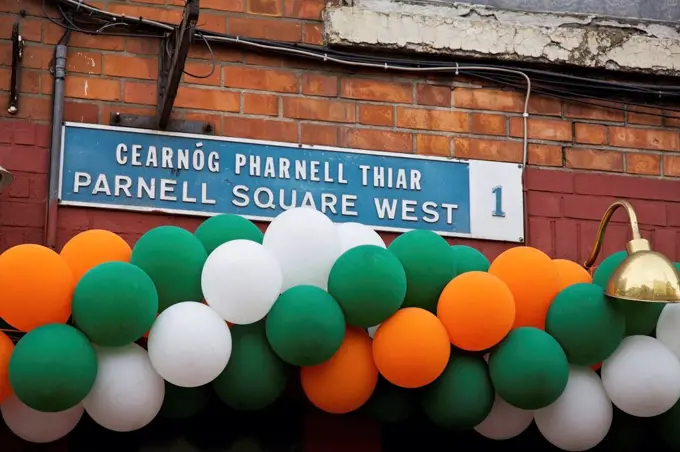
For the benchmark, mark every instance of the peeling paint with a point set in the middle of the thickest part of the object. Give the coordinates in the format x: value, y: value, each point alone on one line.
x: 479, y: 31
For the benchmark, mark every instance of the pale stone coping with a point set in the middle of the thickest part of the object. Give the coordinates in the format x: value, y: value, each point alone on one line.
x: 461, y: 29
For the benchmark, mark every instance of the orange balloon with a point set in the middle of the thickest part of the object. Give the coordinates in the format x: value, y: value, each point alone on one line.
x: 346, y: 381
x: 91, y: 248
x: 477, y: 309
x: 411, y: 348
x: 533, y: 280
x: 571, y: 273
x: 6, y: 349
x: 37, y: 285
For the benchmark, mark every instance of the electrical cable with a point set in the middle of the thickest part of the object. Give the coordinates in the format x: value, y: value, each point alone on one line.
x: 212, y: 57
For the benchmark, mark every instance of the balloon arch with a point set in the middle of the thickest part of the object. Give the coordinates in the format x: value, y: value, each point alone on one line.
x: 123, y: 333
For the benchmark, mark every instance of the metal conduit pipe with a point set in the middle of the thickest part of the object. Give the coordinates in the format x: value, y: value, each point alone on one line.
x: 55, y: 145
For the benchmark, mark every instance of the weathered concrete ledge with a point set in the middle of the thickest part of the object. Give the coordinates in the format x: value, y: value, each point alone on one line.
x: 478, y: 31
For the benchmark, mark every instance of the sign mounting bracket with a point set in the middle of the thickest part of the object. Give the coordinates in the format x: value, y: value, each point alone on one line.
x: 172, y: 58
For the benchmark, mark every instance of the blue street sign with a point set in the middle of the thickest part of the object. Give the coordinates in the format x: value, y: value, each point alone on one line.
x: 141, y: 170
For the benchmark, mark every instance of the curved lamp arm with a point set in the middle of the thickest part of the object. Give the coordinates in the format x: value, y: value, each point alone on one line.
x: 599, y: 238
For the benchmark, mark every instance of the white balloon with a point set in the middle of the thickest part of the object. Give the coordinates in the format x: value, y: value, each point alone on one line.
x: 642, y: 377
x: 668, y: 328
x: 128, y: 393
x: 306, y: 243
x: 357, y: 234
x: 580, y: 419
x: 189, y: 344
x: 37, y: 426
x: 504, y: 421
x: 372, y: 330
x: 241, y: 280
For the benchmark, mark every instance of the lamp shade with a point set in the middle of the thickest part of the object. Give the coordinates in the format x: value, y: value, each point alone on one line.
x: 645, y: 276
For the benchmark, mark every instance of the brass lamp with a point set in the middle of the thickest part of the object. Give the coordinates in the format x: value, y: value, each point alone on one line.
x: 645, y: 275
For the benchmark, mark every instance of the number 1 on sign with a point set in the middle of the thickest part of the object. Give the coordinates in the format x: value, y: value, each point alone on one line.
x: 498, y: 193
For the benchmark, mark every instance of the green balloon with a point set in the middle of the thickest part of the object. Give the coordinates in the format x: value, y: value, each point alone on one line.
x: 173, y: 257
x: 462, y: 396
x: 389, y: 403
x: 469, y: 259
x: 184, y: 403
x: 255, y: 376
x: 587, y: 324
x: 306, y: 326
x: 224, y: 228
x: 114, y: 304
x: 53, y: 368
x: 607, y: 267
x: 369, y: 283
x: 429, y: 265
x: 529, y: 369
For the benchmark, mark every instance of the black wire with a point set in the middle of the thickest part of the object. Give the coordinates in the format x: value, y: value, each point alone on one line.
x: 212, y: 56
x: 579, y: 86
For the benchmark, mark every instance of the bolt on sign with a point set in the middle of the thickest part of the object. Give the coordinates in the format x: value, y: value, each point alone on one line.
x: 149, y: 171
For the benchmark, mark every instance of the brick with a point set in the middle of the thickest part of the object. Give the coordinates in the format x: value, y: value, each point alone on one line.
x: 260, y: 79
x: 36, y: 57
x: 544, y: 204
x: 276, y: 30
x: 671, y: 165
x: 31, y: 29
x: 592, y: 159
x: 305, y: 9
x: 319, y: 134
x: 130, y: 67
x: 654, y: 139
x: 376, y: 90
x: 442, y: 120
x: 208, y: 99
x: 213, y: 22
x: 647, y: 164
x: 142, y: 46
x: 260, y: 104
x: 540, y: 232
x: 92, y: 88
x: 319, y: 85
x: 544, y: 155
x: 84, y: 62
x: 257, y: 59
x: 437, y: 96
x: 312, y: 34
x: 626, y: 187
x: 140, y: 93
x: 29, y: 159
x: 30, y: 107
x: 159, y: 14
x: 653, y: 213
x: 81, y: 112
x: 542, y: 129
x: 433, y: 145
x: 645, y: 116
x: 567, y: 232
x: 376, y: 115
x: 488, y: 124
x: 262, y: 129
x: 587, y: 133
x: 208, y: 74
x: 24, y: 133
x: 23, y: 214
x: 550, y: 180
x: 595, y: 110
x: 510, y: 101
x: 319, y: 110
x: 29, y: 82
x: 222, y: 54
x: 5, y: 79
x: 264, y: 7
x: 224, y: 5
x: 378, y: 140
x: 501, y: 151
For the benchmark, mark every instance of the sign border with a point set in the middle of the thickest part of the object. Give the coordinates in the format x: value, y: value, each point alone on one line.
x: 193, y: 213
